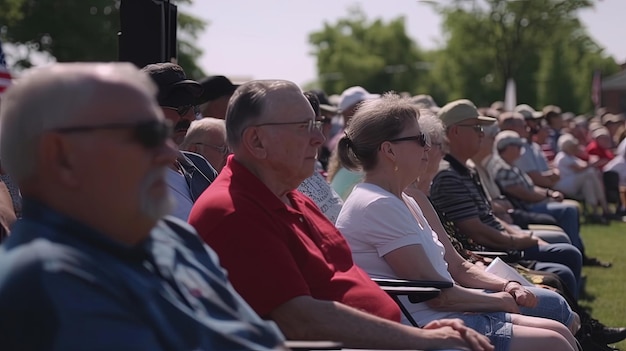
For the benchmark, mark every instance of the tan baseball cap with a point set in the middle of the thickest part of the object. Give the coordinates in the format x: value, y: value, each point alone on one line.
x: 461, y: 110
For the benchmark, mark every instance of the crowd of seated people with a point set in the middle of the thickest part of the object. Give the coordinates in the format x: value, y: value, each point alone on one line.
x: 391, y: 238
x: 246, y: 238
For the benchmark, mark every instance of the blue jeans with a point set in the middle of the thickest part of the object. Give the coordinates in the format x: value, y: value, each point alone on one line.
x: 549, y: 305
x: 566, y: 216
x: 563, y: 260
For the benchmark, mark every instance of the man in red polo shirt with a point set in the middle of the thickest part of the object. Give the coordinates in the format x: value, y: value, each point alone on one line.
x: 282, y: 254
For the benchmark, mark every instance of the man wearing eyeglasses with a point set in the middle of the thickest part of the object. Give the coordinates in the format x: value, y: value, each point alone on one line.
x: 460, y: 199
x: 282, y: 254
x: 93, y: 264
x: 190, y: 174
x: 207, y: 137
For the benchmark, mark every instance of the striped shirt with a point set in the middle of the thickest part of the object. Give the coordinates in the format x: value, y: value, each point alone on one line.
x: 458, y: 195
x: 506, y: 175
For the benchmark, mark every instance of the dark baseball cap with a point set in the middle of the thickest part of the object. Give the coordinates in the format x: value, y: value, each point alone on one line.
x: 174, y: 88
x: 325, y: 104
x: 214, y: 88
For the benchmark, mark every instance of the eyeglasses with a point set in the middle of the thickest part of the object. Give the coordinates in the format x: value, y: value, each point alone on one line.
x: 311, y: 125
x: 325, y: 120
x: 150, y: 134
x: 221, y: 149
x: 477, y: 127
x: 421, y: 140
x: 182, y: 110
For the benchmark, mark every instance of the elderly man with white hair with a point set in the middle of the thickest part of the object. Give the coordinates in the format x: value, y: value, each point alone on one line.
x: 91, y: 265
x: 207, y: 137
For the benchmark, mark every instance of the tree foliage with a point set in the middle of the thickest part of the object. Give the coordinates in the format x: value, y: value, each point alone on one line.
x: 79, y: 30
x: 540, y: 44
x: 376, y: 55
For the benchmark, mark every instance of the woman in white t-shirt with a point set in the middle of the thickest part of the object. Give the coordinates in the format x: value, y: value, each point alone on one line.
x: 390, y: 237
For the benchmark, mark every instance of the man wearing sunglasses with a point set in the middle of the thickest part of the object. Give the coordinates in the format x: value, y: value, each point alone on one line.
x: 460, y: 199
x: 93, y: 264
x: 190, y: 174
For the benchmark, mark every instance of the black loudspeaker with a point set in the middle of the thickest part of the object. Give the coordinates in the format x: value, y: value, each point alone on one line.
x: 147, y: 31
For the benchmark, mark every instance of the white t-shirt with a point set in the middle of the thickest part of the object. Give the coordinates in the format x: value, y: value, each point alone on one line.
x: 323, y: 195
x: 180, y: 191
x: 564, y: 162
x: 375, y: 222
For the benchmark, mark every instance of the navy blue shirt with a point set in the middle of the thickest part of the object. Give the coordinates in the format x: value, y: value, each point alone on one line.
x: 65, y: 286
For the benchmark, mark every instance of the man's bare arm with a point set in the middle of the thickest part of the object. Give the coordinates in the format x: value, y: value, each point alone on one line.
x: 306, y: 318
x: 491, y: 237
x: 545, y: 179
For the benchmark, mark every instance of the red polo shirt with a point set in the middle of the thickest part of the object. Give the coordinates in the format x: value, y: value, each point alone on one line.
x: 595, y: 149
x: 274, y: 253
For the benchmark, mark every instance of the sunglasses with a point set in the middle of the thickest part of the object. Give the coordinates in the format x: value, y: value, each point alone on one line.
x: 477, y: 127
x: 311, y: 125
x: 183, y: 110
x: 420, y: 139
x: 149, y: 134
x: 325, y: 120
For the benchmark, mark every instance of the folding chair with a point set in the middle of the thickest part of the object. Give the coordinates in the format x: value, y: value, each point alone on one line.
x: 610, y: 179
x: 416, y: 290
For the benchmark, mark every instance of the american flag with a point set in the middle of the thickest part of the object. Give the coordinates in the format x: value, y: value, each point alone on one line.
x: 5, y: 76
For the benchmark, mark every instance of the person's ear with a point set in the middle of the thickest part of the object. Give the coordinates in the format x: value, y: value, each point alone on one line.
x: 387, y: 150
x: 193, y: 147
x: 58, y: 158
x: 254, y: 142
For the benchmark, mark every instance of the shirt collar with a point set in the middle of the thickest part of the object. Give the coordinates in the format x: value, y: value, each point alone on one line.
x: 63, y: 228
x: 251, y: 184
x: 456, y: 165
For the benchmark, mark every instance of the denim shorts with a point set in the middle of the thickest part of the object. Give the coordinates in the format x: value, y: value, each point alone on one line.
x: 496, y: 326
x: 549, y: 305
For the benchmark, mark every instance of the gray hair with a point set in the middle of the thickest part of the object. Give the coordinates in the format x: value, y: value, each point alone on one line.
x: 374, y: 122
x: 247, y: 105
x: 199, y: 128
x: 52, y: 97
x: 432, y: 126
x: 566, y: 141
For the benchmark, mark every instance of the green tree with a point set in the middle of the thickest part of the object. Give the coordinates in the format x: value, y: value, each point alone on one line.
x: 567, y: 68
x: 376, y: 55
x: 79, y: 30
x: 490, y: 41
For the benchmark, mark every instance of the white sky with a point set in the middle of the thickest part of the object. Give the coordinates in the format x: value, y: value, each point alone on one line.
x: 257, y: 39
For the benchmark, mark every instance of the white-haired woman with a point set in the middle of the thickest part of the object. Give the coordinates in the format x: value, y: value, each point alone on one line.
x: 580, y: 179
x: 390, y: 237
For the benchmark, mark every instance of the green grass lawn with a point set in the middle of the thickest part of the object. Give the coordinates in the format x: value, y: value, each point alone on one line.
x: 605, y: 289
